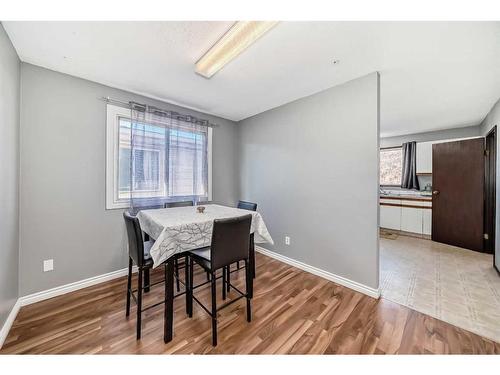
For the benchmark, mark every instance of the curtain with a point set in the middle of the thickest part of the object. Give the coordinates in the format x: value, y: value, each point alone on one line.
x: 409, y: 178
x: 168, y: 157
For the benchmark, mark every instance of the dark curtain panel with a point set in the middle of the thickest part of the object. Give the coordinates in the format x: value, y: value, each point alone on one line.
x: 409, y: 178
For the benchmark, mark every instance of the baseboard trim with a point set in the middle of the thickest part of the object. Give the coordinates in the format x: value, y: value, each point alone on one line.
x: 369, y: 291
x: 71, y: 287
x: 4, y: 331
x: 54, y: 292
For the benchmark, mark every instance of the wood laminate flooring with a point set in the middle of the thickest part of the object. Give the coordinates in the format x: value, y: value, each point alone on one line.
x: 293, y: 312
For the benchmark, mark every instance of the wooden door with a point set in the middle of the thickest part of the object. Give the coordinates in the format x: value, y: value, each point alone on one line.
x: 458, y: 193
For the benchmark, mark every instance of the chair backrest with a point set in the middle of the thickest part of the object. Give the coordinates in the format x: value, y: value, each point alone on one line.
x: 178, y: 204
x: 135, y: 242
x: 247, y: 205
x: 203, y: 203
x: 230, y: 241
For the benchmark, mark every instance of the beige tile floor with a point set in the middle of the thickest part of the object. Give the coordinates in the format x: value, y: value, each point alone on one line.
x: 456, y: 285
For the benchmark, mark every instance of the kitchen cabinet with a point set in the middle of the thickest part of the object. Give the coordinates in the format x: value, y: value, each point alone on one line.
x: 424, y: 154
x: 412, y: 215
x: 390, y: 217
x: 411, y: 219
x: 424, y: 157
x: 427, y: 222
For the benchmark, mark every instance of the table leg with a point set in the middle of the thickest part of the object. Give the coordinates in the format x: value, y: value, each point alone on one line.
x: 249, y: 281
x: 169, y: 301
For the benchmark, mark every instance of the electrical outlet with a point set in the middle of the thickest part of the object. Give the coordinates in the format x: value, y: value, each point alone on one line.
x: 287, y: 240
x: 48, y: 265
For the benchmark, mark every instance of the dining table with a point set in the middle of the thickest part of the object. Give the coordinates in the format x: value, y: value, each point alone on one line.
x: 180, y: 229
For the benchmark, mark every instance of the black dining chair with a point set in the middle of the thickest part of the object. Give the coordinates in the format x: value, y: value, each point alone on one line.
x: 230, y: 243
x: 250, y: 206
x: 178, y: 204
x: 176, y: 261
x: 138, y: 251
x: 146, y: 239
x: 202, y: 203
x: 244, y: 205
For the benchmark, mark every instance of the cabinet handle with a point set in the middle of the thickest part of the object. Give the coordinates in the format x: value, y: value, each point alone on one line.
x: 435, y: 192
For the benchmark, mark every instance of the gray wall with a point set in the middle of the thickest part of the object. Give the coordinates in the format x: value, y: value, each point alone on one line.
x: 9, y: 175
x: 492, y: 119
x: 62, y: 212
x: 312, y: 166
x: 469, y: 131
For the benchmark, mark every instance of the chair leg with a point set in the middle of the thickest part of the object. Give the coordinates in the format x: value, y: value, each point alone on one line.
x: 191, y: 270
x: 248, y: 272
x: 224, y: 280
x: 129, y: 285
x: 238, y: 264
x: 186, y: 282
x: 146, y: 280
x: 177, y: 281
x: 214, y: 310
x: 228, y: 278
x: 252, y: 255
x: 139, y: 304
x: 249, y: 281
x: 208, y: 276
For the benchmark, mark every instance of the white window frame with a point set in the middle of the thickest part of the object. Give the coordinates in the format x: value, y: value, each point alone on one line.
x: 113, y: 114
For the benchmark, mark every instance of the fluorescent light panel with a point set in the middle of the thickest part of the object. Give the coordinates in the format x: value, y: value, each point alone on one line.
x: 238, y: 38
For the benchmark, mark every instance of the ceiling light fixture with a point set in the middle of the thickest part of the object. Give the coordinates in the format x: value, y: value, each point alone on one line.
x: 238, y: 38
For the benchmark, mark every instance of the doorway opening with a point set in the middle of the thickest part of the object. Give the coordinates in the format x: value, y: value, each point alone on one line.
x: 444, y: 269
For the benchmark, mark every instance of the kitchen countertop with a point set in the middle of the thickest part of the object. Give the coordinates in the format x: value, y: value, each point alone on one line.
x: 409, y: 197
x: 405, y: 194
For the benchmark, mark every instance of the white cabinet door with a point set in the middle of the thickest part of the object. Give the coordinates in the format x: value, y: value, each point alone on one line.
x: 411, y: 219
x: 427, y: 221
x: 424, y: 157
x: 390, y: 217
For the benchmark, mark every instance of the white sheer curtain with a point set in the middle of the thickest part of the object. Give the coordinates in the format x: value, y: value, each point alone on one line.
x: 168, y: 157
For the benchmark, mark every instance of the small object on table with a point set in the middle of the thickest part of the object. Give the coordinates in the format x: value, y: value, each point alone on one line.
x: 200, y: 209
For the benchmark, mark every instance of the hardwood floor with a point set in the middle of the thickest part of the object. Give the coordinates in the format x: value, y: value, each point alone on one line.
x: 293, y: 312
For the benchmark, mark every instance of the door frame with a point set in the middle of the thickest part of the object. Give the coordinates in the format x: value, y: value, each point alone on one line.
x: 491, y: 230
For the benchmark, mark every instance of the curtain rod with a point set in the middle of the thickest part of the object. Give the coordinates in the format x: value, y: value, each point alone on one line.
x: 188, y: 118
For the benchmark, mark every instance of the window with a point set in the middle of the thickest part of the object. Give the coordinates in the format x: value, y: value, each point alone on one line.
x: 391, y: 166
x: 184, y: 157
x: 166, y: 164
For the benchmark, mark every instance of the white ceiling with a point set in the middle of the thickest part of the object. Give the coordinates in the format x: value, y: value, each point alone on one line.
x: 434, y: 75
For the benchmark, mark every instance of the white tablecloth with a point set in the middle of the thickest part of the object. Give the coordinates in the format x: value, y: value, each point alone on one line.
x: 182, y: 229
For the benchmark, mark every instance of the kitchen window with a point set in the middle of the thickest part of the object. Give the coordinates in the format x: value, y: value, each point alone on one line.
x: 391, y: 166
x: 168, y: 164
